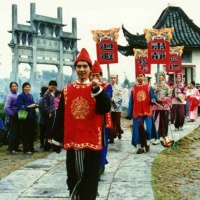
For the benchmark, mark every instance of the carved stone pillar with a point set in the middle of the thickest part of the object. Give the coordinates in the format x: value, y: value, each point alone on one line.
x: 60, y: 77
x: 75, y: 49
x: 33, y: 74
x: 26, y: 43
x: 38, y: 28
x: 14, y: 75
x: 54, y: 28
x: 45, y: 29
x: 20, y: 38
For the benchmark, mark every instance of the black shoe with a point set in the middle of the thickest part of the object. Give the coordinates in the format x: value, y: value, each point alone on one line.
x: 111, y: 141
x: 120, y: 136
x: 33, y: 150
x: 19, y: 150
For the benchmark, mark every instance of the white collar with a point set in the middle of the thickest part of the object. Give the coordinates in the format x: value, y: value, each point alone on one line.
x: 85, y: 82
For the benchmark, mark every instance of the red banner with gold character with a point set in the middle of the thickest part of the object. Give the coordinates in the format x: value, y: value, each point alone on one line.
x: 158, y: 51
x: 158, y: 44
x: 142, y: 65
x: 106, y: 45
x: 175, y: 59
x: 107, y: 52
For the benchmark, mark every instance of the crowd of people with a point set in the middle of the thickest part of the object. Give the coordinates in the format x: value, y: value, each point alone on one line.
x: 22, y: 129
x: 153, y: 108
x: 85, y: 117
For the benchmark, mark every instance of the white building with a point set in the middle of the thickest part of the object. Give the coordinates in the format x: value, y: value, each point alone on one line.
x: 186, y: 34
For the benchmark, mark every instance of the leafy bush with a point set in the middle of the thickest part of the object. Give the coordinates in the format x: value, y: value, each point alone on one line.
x: 2, y: 112
x: 3, y: 116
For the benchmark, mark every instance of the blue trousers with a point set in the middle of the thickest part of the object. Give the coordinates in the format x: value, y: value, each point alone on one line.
x: 104, y: 151
x: 136, y: 134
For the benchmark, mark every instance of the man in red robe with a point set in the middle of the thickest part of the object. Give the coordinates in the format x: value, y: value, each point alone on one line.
x: 140, y: 109
x: 79, y: 118
x: 98, y: 73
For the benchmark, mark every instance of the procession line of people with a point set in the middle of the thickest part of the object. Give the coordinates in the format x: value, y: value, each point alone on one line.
x: 152, y: 108
x: 85, y: 117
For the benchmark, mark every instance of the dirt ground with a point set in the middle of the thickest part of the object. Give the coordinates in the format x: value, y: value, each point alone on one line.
x: 10, y: 163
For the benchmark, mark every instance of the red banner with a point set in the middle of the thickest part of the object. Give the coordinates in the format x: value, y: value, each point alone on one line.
x: 107, y: 52
x: 158, y: 51
x: 142, y: 65
x: 175, y: 63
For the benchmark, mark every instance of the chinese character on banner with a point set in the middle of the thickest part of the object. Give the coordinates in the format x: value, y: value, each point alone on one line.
x: 142, y: 65
x: 106, y: 45
x: 175, y: 61
x: 158, y: 45
x: 107, y: 52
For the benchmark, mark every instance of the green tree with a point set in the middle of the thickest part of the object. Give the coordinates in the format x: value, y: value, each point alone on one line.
x: 49, y: 75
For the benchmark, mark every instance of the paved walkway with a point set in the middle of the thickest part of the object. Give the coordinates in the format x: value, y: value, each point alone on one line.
x: 127, y: 176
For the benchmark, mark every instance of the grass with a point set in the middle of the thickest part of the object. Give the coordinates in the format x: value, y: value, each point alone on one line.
x: 175, y: 168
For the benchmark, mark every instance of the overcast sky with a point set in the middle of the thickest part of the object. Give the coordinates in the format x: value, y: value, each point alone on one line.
x: 91, y: 15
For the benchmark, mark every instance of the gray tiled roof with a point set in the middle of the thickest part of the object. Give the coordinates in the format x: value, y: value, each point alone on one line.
x: 185, y: 31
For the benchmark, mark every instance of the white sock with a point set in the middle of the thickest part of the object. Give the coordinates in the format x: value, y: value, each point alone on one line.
x: 148, y: 142
x: 161, y: 139
x: 138, y: 146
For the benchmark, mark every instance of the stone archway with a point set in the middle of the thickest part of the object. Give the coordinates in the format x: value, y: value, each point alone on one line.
x: 42, y: 42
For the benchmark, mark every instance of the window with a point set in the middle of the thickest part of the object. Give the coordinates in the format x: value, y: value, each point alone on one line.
x: 187, y: 57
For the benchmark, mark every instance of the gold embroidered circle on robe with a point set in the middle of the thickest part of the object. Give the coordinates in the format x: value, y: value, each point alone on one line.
x: 141, y: 95
x: 80, y: 108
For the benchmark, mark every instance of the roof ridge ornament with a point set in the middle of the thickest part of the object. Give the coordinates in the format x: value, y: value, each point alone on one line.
x: 172, y: 5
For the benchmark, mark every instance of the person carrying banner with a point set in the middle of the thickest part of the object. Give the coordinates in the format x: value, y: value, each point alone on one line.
x: 140, y: 109
x: 98, y: 73
x: 161, y: 109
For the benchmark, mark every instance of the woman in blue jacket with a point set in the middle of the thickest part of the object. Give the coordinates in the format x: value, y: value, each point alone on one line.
x: 25, y: 101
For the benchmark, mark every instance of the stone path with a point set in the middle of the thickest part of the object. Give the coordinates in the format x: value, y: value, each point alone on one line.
x: 127, y: 176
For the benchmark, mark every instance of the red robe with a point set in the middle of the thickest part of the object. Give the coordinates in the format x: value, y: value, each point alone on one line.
x: 82, y: 124
x: 141, y: 103
x: 194, y: 102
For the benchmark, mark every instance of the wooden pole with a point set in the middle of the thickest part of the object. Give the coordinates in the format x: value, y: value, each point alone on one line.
x: 158, y: 74
x: 108, y: 71
x: 174, y: 78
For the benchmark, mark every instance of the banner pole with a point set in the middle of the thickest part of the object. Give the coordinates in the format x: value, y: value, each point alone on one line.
x: 174, y: 78
x: 158, y: 74
x: 108, y: 72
